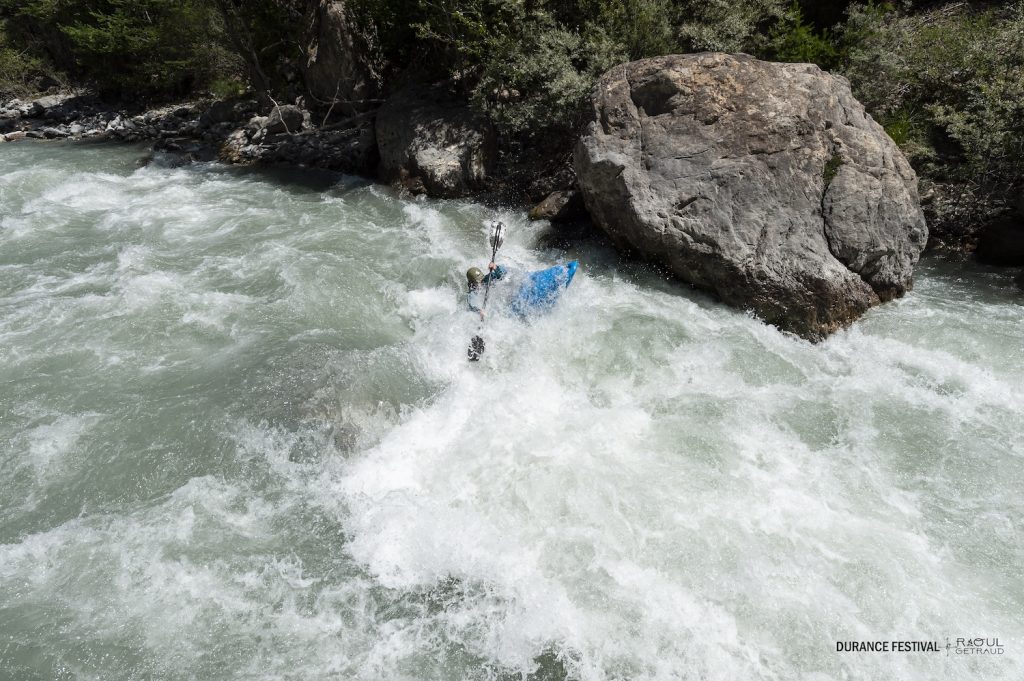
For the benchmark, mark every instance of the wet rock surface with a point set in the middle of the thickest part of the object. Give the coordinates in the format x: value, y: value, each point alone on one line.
x: 560, y: 206
x: 765, y: 183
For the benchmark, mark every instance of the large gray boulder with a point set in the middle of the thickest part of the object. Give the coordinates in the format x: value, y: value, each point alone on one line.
x: 765, y: 183
x: 340, y: 69
x: 432, y: 141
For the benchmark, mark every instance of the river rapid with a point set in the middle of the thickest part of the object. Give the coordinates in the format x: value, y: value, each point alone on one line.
x: 239, y: 439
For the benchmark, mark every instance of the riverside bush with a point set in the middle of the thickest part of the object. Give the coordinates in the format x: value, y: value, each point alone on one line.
x: 21, y: 72
x: 123, y: 47
x: 947, y: 83
x: 540, y: 77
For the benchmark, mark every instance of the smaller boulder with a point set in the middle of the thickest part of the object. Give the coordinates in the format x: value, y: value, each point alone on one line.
x: 287, y: 118
x: 546, y: 181
x: 427, y: 137
x: 219, y: 112
x: 51, y: 101
x: 233, y: 149
x: 560, y: 206
x: 57, y: 107
x: 255, y: 124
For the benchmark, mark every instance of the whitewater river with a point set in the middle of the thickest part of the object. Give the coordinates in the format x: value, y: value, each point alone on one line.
x: 239, y: 439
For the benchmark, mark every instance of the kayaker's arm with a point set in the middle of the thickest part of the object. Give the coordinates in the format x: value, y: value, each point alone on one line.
x: 496, y: 272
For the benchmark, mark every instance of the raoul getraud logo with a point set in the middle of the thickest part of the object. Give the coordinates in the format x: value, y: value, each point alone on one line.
x: 978, y: 645
x: 962, y: 645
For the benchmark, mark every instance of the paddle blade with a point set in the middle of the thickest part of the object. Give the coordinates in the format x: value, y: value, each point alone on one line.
x: 497, y: 236
x: 476, y: 348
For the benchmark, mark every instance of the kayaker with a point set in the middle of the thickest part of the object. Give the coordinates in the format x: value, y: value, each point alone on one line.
x: 478, y: 284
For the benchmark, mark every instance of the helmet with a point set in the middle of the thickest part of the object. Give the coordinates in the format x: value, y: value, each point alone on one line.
x: 475, y: 275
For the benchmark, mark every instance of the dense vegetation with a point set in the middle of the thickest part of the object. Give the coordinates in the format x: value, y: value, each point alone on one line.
x: 946, y: 79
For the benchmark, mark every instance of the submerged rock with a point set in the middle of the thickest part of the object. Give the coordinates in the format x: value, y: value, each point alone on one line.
x: 766, y: 183
x: 425, y: 136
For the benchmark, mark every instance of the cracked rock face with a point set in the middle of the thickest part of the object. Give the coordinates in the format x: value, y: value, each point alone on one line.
x: 766, y: 183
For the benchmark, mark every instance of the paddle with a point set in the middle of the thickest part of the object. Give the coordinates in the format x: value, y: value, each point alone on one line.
x: 476, y: 344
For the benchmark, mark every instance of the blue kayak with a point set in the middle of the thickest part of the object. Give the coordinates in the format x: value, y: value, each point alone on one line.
x: 541, y: 289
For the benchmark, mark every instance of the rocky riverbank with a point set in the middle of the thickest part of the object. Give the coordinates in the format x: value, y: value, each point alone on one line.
x: 233, y: 131
x: 421, y: 140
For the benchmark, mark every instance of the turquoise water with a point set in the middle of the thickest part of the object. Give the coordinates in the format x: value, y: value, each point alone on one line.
x: 239, y: 440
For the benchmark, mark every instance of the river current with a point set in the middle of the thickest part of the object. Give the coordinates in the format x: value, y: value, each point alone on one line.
x: 239, y: 439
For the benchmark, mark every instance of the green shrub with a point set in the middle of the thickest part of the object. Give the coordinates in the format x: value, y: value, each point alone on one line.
x: 142, y: 45
x: 831, y: 169
x: 532, y: 80
x: 21, y: 72
x: 640, y: 28
x: 226, y: 87
x: 960, y: 69
x: 728, y: 25
x: 899, y: 127
x: 124, y: 47
x: 538, y: 78
x: 792, y: 39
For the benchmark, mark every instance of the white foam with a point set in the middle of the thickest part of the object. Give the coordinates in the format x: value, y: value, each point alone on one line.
x: 51, y: 444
